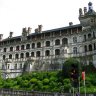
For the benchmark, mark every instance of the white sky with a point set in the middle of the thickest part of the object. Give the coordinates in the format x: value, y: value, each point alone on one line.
x: 16, y: 14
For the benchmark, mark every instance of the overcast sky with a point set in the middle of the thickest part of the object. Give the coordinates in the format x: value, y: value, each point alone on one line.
x: 16, y: 14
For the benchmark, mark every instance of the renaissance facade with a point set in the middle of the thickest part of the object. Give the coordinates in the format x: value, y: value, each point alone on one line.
x: 48, y: 50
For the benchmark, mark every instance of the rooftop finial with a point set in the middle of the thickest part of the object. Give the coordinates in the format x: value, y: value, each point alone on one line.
x: 90, y: 6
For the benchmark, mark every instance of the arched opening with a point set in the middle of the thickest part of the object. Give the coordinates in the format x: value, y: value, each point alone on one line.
x: 38, y: 45
x: 90, y: 47
x: 57, y: 52
x: 22, y: 47
x: 33, y: 45
x: 47, y: 43
x: 22, y: 55
x: 16, y: 56
x: 27, y: 54
x: 28, y: 46
x: 64, y: 41
x: 38, y: 54
x: 32, y: 54
x: 47, y: 53
x: 57, y: 42
x: 10, y: 56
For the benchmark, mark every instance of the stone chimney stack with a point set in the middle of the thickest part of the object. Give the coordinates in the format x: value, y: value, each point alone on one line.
x: 36, y: 30
x: 70, y: 23
x: 80, y: 12
x: 85, y: 10
x: 10, y: 34
x: 1, y: 36
x: 40, y: 28
x: 29, y: 30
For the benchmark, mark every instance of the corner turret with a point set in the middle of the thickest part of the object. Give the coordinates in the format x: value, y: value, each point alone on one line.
x: 88, y: 19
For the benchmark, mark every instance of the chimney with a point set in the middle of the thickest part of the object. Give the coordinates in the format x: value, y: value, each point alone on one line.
x: 80, y: 12
x: 85, y: 10
x: 1, y: 36
x: 40, y: 28
x: 36, y: 30
x: 29, y: 30
x: 70, y: 23
x: 10, y: 35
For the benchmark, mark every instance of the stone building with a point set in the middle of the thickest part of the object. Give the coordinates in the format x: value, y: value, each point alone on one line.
x: 48, y: 50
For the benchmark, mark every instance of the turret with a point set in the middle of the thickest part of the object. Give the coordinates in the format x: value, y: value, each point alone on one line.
x: 89, y: 18
x: 10, y: 34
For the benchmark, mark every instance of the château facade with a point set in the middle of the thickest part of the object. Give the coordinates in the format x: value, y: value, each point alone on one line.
x: 48, y: 50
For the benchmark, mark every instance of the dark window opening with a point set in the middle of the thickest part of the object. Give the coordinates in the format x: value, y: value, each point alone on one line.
x: 57, y: 42
x: 57, y: 52
x: 47, y: 43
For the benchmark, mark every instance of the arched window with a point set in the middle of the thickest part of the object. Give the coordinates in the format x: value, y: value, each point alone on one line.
x: 22, y: 55
x: 85, y: 48
x: 32, y: 54
x: 47, y: 53
x: 10, y: 56
x: 5, y: 49
x: 22, y: 47
x: 11, y: 48
x: 38, y: 54
x: 57, y: 52
x: 27, y: 54
x: 74, y: 39
x: 17, y: 48
x: 28, y: 46
x: 57, y: 42
x: 90, y: 47
x: 33, y: 45
x: 47, y: 43
x: 4, y: 57
x: 75, y: 50
x: 38, y: 45
x: 64, y: 41
x: 89, y: 35
x: 16, y: 56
